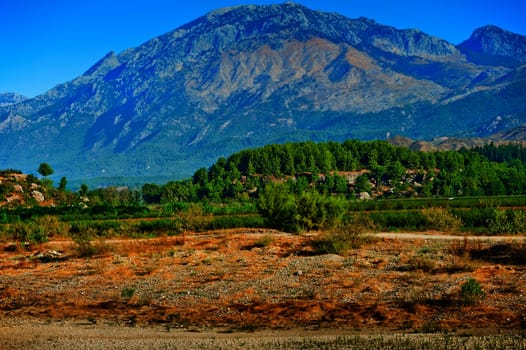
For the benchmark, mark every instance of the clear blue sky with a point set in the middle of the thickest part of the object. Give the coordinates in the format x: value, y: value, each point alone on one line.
x: 47, y: 42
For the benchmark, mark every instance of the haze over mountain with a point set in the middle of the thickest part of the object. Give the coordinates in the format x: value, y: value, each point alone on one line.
x: 251, y: 75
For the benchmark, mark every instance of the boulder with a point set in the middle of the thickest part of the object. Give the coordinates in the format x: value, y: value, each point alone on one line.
x: 38, y: 196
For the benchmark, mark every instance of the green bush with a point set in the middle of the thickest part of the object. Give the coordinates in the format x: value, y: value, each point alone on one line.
x: 509, y: 221
x: 279, y: 209
x: 315, y: 211
x: 471, y: 292
x: 127, y: 292
x: 27, y: 232
x: 475, y: 219
x: 500, y: 223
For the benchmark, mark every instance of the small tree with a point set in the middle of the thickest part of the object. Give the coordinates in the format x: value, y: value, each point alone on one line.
x: 63, y: 183
x: 278, y: 207
x: 45, y: 169
x: 362, y: 184
x: 83, y: 190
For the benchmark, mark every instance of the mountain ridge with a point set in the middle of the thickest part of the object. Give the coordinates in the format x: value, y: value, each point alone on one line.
x: 250, y: 75
x: 11, y: 98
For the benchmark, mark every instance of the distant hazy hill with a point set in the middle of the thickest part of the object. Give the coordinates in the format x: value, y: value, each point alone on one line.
x: 251, y: 75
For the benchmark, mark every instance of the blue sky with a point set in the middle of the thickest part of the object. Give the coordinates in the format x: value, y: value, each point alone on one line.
x: 47, y: 42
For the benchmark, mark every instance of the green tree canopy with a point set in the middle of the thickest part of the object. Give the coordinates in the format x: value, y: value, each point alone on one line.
x: 45, y: 169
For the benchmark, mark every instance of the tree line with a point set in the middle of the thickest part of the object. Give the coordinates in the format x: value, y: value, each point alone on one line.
x: 379, y: 168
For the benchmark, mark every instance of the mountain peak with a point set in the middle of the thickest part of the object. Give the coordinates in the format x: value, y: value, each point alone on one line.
x: 251, y: 75
x: 489, y: 43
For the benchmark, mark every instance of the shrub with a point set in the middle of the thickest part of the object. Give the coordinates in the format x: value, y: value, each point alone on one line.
x: 475, y: 219
x: 348, y: 236
x: 278, y: 207
x: 84, y: 243
x: 28, y: 232
x: 163, y: 225
x: 471, y: 292
x: 393, y: 220
x: 263, y: 241
x: 194, y: 218
x: 127, y: 293
x: 52, y: 226
x: 105, y: 228
x: 421, y: 263
x: 500, y: 223
x: 509, y: 221
x: 441, y: 219
x: 518, y: 219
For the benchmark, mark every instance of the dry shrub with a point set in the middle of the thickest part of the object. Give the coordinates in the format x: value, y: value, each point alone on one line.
x: 421, y: 263
x: 349, y: 235
x: 441, y: 219
x: 195, y: 218
x: 263, y: 241
x: 460, y: 264
x: 84, y: 245
x: 53, y: 227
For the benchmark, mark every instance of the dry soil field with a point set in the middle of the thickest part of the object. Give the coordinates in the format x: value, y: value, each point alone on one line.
x: 260, y: 288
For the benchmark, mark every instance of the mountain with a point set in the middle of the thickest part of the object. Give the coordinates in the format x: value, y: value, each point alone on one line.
x: 10, y: 98
x: 251, y: 75
x: 495, y: 46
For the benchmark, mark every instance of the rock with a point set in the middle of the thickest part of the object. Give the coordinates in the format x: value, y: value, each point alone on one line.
x: 364, y: 196
x: 47, y: 256
x: 38, y: 196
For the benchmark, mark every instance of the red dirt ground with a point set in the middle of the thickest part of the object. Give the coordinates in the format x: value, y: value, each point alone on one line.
x: 254, y: 279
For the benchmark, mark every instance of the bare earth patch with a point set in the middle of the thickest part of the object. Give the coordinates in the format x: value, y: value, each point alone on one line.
x: 226, y: 283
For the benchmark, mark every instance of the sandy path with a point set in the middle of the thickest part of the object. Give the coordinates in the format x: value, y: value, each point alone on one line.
x: 445, y: 237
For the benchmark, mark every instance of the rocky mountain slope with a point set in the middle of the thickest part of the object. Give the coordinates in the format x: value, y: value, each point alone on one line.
x: 251, y: 75
x: 10, y: 98
x: 495, y: 46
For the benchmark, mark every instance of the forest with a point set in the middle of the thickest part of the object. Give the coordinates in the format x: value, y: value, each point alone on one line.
x: 352, y: 167
x: 294, y: 187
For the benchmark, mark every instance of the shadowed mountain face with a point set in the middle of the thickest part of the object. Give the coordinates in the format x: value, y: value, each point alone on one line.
x: 251, y: 75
